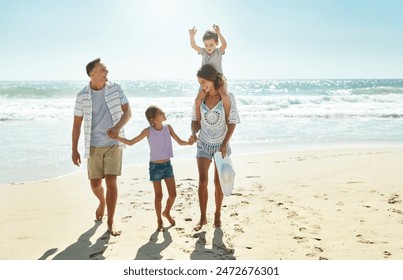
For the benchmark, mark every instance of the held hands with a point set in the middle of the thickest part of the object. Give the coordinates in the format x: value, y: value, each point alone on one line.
x: 192, y: 139
x: 113, y: 132
x: 185, y: 143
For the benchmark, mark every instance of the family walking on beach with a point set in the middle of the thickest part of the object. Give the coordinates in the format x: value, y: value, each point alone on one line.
x: 103, y: 109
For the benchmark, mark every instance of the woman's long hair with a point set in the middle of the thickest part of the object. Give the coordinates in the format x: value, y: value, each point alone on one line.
x: 209, y: 73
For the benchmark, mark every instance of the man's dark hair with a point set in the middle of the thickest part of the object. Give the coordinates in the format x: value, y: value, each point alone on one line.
x: 91, y: 65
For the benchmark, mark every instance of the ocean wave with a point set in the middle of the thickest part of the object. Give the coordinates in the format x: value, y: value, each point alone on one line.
x: 175, y: 109
x: 39, y: 90
x: 177, y: 88
x: 21, y: 101
x: 383, y: 90
x: 35, y: 109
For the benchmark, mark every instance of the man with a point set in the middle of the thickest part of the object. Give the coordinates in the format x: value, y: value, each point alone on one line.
x: 104, y: 108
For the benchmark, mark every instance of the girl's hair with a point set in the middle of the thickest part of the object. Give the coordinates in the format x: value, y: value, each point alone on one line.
x: 209, y: 73
x: 209, y: 34
x: 151, y: 113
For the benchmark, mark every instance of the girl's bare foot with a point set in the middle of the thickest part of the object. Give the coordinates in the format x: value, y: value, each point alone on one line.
x: 200, y: 225
x: 168, y: 216
x: 217, y: 220
x: 99, y: 214
x: 160, y: 226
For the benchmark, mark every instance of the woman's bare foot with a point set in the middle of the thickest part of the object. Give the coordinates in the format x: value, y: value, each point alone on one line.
x: 160, y: 226
x: 168, y: 216
x: 99, y: 213
x: 217, y: 220
x: 113, y: 231
x: 200, y: 225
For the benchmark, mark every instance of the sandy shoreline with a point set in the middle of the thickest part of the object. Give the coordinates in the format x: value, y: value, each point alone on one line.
x: 336, y: 204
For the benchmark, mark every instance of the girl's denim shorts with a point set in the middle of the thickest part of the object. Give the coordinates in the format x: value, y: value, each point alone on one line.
x: 159, y: 171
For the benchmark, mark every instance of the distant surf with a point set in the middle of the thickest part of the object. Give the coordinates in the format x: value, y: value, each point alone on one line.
x: 36, y: 117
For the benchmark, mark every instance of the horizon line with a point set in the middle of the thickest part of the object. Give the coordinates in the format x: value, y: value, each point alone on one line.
x: 188, y: 79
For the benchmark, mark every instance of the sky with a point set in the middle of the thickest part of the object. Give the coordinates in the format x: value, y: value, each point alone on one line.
x: 149, y: 39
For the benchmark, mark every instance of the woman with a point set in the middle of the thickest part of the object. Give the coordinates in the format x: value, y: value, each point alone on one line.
x: 214, y: 136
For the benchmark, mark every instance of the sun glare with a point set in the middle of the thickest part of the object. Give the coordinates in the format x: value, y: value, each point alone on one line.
x: 164, y: 9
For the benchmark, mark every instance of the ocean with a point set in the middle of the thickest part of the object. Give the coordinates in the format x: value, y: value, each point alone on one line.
x: 36, y: 118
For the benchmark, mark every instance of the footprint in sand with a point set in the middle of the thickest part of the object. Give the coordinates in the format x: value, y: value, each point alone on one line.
x: 304, y: 239
x: 187, y: 179
x: 370, y: 207
x: 292, y: 214
x: 394, y: 199
x: 125, y: 219
x: 300, y: 239
x: 238, y: 228
x: 363, y: 240
x: 315, y: 252
x: 355, y: 182
x: 134, y: 204
x: 236, y: 194
x: 179, y: 207
x: 323, y: 196
x: 397, y: 211
x: 180, y: 230
x: 313, y: 231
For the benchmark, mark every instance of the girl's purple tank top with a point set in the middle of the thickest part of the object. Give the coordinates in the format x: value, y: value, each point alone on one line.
x: 160, y: 144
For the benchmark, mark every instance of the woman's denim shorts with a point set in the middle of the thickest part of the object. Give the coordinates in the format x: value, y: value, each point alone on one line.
x: 159, y: 171
x: 203, y: 152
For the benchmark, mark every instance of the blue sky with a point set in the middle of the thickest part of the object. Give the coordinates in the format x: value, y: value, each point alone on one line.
x: 269, y: 39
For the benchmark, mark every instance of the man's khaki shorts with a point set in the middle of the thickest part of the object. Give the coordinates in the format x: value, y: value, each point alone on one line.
x: 104, y: 161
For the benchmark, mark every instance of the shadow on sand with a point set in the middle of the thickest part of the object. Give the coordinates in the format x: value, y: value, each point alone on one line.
x: 152, y: 250
x: 82, y: 249
x: 218, y: 251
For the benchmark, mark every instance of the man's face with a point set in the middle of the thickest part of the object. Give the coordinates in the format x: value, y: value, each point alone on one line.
x: 99, y: 73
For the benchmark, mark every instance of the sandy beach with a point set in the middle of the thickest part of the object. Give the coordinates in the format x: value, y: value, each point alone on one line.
x: 329, y: 204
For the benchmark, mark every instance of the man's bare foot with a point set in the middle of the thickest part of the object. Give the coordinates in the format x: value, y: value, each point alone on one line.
x: 113, y: 231
x: 200, y: 225
x: 99, y: 214
x: 160, y: 226
x: 170, y: 219
x: 217, y: 220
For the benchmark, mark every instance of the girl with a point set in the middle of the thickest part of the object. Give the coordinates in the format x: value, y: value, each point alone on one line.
x: 159, y: 140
